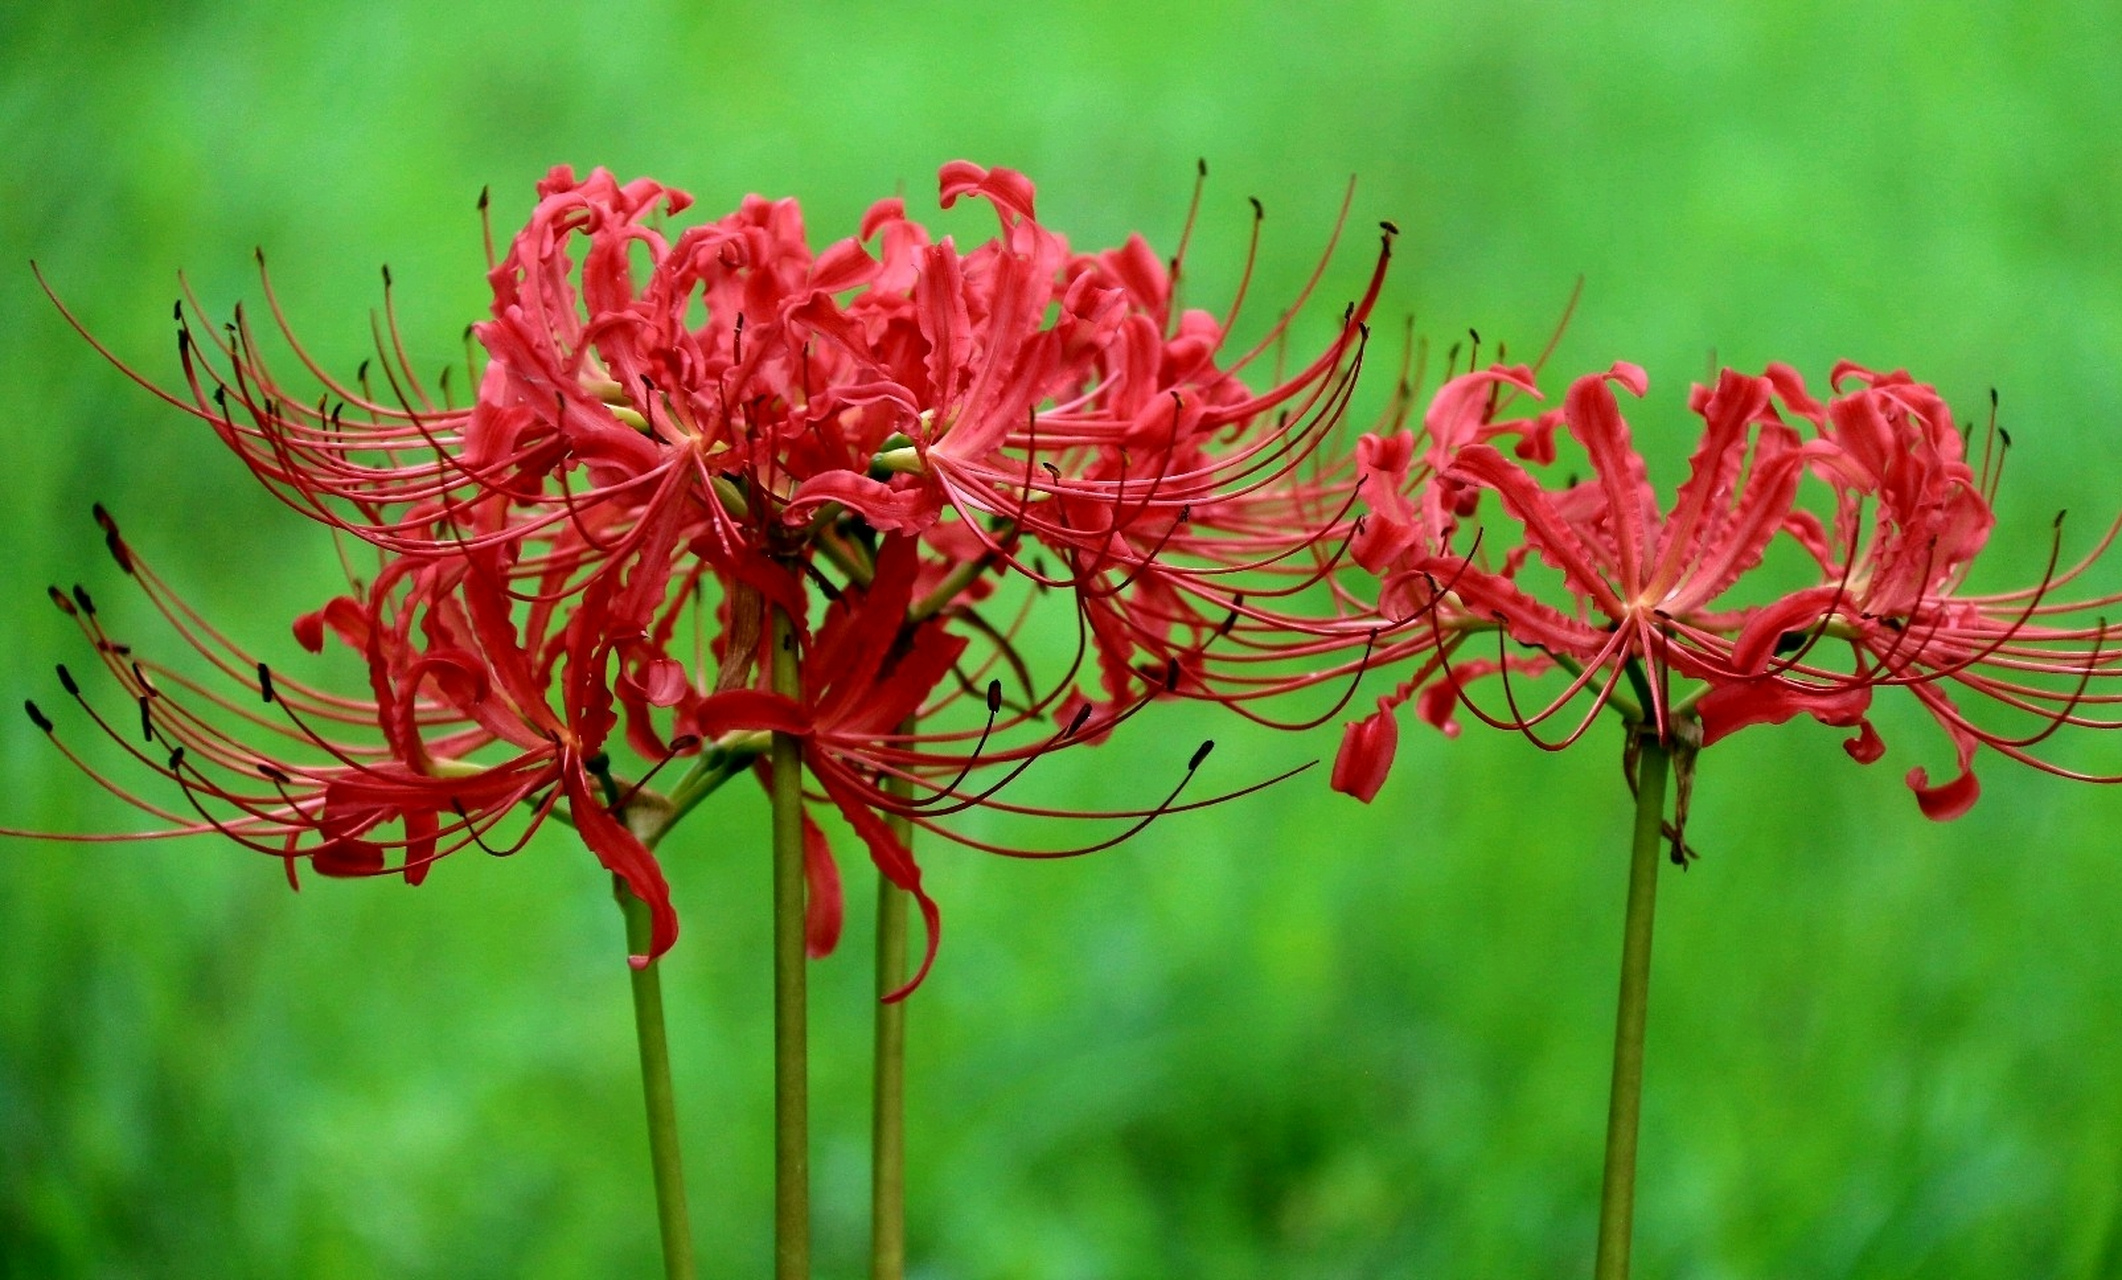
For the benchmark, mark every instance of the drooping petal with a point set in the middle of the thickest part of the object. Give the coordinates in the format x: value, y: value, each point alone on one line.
x: 825, y: 905
x: 1947, y: 800
x: 1366, y: 755
x: 623, y: 854
x: 892, y: 859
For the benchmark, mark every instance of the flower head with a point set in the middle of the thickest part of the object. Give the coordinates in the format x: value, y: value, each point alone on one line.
x: 1661, y: 612
x: 680, y: 434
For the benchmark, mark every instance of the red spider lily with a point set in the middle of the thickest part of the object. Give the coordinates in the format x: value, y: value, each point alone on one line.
x: 383, y: 785
x: 1645, y: 596
x: 677, y: 433
x: 1909, y: 517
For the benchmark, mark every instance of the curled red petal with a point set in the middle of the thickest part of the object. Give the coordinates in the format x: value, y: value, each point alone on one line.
x: 1008, y: 190
x: 1735, y: 704
x: 890, y: 509
x: 1867, y: 746
x: 1799, y: 611
x: 1947, y: 801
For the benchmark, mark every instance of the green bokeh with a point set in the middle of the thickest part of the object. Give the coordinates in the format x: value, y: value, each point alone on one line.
x: 1288, y: 1037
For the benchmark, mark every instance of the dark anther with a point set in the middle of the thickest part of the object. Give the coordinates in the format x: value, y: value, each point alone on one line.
x: 36, y: 717
x: 1051, y: 469
x: 265, y: 682
x: 1201, y: 167
x: 1171, y: 674
x: 272, y: 774
x: 112, y: 540
x: 1186, y: 514
x: 66, y: 606
x: 2005, y: 436
x: 1076, y: 721
x: 386, y: 275
x: 147, y: 719
x: 1993, y: 397
x: 485, y: 194
x: 2059, y: 517
x: 177, y: 312
x: 361, y: 372
x: 683, y: 743
x: 994, y: 696
x: 1790, y: 642
x: 176, y: 759
x: 1258, y: 212
x: 1200, y: 754
x: 66, y: 682
x: 1390, y: 227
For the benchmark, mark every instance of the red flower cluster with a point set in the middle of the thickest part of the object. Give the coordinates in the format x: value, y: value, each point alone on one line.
x: 680, y: 436
x: 1873, y: 487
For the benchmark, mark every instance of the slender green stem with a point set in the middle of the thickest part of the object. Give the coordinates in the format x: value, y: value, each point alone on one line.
x: 791, y: 1031
x: 656, y: 1091
x: 1617, y: 1196
x: 887, y: 1137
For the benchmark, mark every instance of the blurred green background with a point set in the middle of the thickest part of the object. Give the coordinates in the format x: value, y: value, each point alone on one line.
x: 1292, y: 1036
